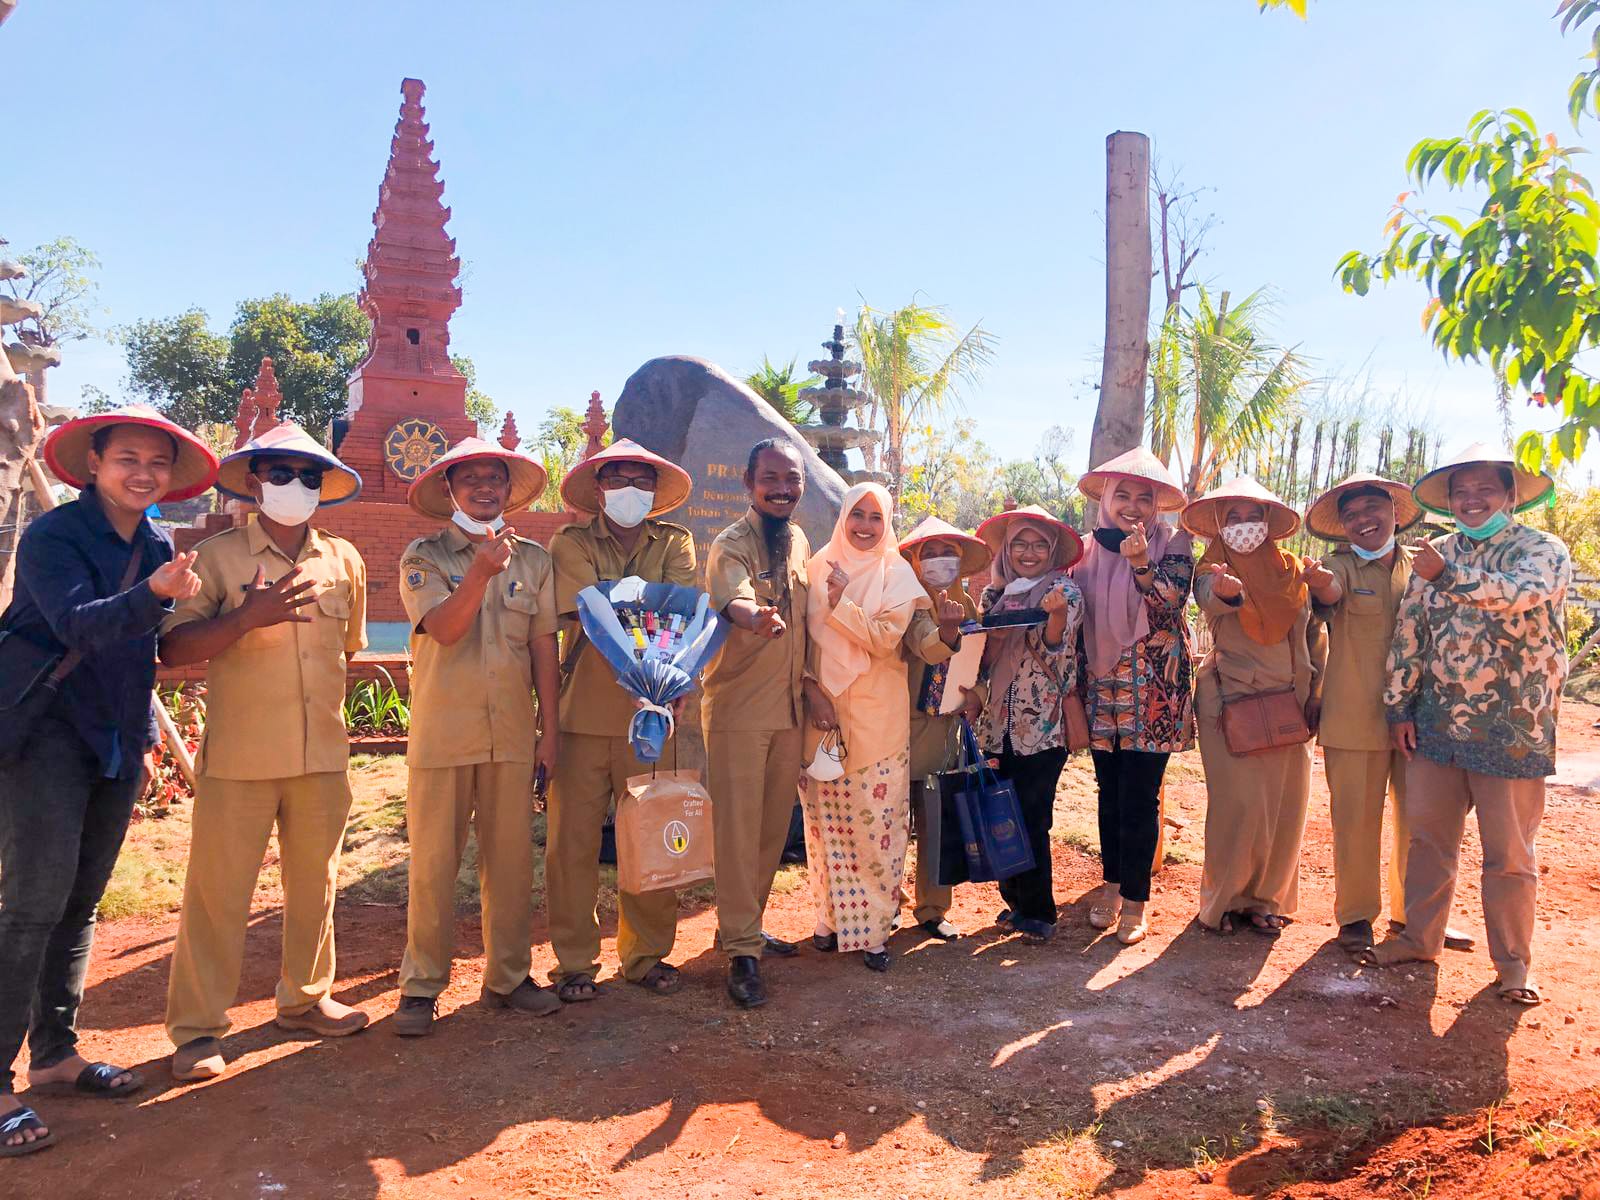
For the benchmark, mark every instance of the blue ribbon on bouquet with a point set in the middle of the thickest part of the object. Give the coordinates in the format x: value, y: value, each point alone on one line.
x: 663, y: 675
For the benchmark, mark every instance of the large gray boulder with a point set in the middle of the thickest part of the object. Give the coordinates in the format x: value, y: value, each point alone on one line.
x: 700, y: 417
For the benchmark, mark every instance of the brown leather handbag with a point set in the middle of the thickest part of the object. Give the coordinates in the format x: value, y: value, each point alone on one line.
x: 1074, y: 718
x: 1264, y: 721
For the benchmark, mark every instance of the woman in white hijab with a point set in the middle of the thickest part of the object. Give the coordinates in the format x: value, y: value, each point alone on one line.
x: 859, y: 604
x: 1030, y: 670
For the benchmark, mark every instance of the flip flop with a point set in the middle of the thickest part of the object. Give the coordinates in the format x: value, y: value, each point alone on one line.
x: 661, y: 979
x: 1527, y: 995
x: 21, y: 1121
x: 577, y: 989
x: 95, y: 1081
x: 1266, y: 924
x: 1226, y: 926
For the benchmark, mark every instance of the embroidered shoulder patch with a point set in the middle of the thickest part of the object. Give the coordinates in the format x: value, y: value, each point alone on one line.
x: 416, y: 576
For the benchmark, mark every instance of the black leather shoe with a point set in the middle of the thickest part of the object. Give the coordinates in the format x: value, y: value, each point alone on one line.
x: 825, y: 942
x: 876, y: 962
x: 744, y: 982
x: 777, y: 946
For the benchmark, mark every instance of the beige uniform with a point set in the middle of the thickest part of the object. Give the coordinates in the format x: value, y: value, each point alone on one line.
x: 470, y: 757
x: 934, y: 746
x: 596, y: 759
x: 274, y: 753
x: 1256, y: 805
x: 1362, y: 766
x: 752, y: 713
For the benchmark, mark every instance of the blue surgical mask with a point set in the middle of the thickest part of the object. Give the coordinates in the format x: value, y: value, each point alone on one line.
x: 1382, y: 551
x: 1488, y: 529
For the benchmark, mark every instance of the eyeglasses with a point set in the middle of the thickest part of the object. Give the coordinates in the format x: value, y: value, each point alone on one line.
x: 279, y: 476
x: 615, y: 483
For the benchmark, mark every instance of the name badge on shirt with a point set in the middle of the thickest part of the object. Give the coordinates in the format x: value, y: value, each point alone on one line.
x: 1364, y: 591
x: 514, y: 587
x: 455, y: 579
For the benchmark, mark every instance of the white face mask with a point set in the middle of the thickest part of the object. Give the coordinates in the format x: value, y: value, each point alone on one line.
x: 1242, y: 539
x: 1373, y: 555
x: 472, y: 525
x: 628, y: 506
x: 941, y: 572
x: 289, y: 503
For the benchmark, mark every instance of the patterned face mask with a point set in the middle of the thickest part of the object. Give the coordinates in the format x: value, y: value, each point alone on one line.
x: 1242, y: 539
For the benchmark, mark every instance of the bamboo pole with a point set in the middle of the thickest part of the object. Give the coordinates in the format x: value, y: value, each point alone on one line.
x: 169, y: 729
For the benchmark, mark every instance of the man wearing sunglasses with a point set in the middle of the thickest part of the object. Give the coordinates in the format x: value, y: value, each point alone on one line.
x: 280, y: 607
x: 618, y: 493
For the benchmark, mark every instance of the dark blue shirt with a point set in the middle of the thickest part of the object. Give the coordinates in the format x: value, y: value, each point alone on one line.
x: 69, y: 564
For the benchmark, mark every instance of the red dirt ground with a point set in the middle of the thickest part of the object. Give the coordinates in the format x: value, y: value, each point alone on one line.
x: 1189, y: 1066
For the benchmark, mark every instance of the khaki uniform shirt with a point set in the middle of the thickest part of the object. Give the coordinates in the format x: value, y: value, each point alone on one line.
x: 1243, y: 666
x: 1359, y: 628
x: 585, y: 553
x: 472, y: 701
x: 275, y: 698
x: 754, y: 682
x: 932, y: 735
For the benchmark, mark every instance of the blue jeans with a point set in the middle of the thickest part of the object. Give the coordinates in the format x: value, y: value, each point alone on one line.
x: 61, y: 828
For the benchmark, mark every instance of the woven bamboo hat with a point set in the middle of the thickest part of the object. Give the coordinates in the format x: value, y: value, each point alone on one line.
x: 996, y: 529
x: 66, y: 450
x: 1203, y: 517
x: 339, y: 482
x: 1322, y: 518
x: 581, y: 487
x: 1433, y: 489
x: 429, y: 493
x: 975, y: 552
x: 1137, y: 463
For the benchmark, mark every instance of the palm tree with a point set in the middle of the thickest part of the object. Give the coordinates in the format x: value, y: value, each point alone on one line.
x: 779, y: 388
x: 1219, y: 387
x: 915, y: 362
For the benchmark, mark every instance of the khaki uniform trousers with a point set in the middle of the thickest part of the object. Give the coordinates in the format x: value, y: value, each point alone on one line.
x: 1509, y: 811
x: 233, y: 818
x: 497, y: 799
x: 754, y: 780
x: 1359, y: 781
x: 593, y: 770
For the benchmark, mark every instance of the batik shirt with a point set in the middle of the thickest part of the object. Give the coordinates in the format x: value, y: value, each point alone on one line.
x: 1479, y: 656
x: 1146, y: 701
x: 1029, y: 712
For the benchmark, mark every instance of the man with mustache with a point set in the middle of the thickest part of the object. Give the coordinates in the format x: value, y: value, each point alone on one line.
x: 482, y: 604
x: 752, y: 711
x: 1476, y: 669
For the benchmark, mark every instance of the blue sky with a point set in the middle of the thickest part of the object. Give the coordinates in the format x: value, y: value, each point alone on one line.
x: 638, y: 179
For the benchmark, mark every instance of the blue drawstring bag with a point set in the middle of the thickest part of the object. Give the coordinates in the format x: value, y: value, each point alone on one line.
x: 663, y: 675
x: 990, y: 816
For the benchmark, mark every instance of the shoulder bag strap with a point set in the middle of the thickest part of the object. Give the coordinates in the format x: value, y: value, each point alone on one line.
x: 72, y: 658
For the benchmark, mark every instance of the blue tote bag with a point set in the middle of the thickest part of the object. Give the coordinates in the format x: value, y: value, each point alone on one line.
x: 990, y: 816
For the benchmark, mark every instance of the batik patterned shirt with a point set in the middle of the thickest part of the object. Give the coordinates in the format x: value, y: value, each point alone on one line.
x: 1029, y: 711
x: 1146, y: 702
x: 1479, y: 656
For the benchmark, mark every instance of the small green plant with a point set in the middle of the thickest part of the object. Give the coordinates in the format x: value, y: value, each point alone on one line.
x: 1487, y: 1142
x: 375, y: 706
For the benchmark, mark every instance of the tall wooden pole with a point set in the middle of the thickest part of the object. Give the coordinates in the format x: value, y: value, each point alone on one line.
x: 1119, y: 419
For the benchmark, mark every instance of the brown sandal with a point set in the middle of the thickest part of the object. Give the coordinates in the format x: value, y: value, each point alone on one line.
x: 576, y: 989
x: 661, y: 979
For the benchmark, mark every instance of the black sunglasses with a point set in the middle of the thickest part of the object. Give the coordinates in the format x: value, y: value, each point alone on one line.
x: 278, y: 476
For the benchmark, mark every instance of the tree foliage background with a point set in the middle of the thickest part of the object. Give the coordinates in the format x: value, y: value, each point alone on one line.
x: 194, y: 374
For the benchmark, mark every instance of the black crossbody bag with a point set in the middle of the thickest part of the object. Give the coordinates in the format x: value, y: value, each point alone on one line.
x: 41, y: 671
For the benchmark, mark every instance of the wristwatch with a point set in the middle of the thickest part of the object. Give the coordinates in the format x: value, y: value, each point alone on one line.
x: 1144, y: 570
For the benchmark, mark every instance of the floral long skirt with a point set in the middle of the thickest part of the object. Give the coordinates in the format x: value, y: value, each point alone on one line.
x: 856, y: 831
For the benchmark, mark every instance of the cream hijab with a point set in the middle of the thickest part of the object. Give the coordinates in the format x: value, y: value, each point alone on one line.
x: 880, y: 581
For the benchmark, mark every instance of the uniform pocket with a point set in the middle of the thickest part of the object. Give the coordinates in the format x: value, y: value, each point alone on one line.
x: 521, y: 607
x: 332, y: 615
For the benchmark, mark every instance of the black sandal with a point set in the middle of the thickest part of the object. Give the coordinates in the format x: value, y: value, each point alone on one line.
x: 662, y: 979
x: 1226, y: 926
x: 576, y: 989
x: 94, y: 1081
x: 1267, y: 924
x: 23, y: 1120
x: 825, y: 942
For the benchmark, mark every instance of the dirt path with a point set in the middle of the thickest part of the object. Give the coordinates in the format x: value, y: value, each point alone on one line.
x: 1187, y: 1066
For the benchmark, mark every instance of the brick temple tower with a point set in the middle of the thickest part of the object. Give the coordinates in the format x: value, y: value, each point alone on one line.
x: 407, y: 402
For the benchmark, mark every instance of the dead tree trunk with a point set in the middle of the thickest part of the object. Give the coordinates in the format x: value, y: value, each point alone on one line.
x: 1119, y: 418
x: 20, y: 429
